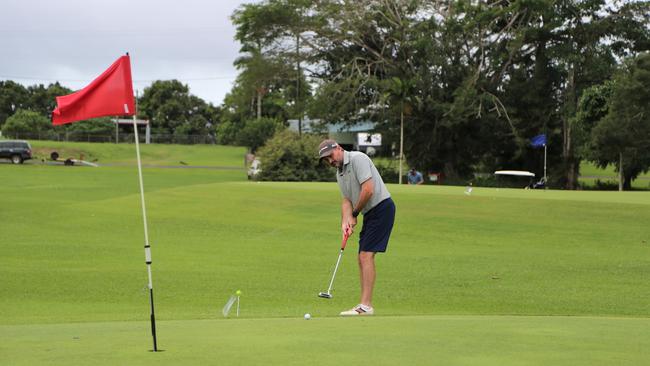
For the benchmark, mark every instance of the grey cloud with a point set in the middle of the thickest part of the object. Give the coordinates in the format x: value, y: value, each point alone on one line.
x: 73, y: 41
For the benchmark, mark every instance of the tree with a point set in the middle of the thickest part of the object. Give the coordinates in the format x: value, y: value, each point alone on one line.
x: 257, y: 131
x: 592, y: 107
x: 170, y: 107
x: 421, y: 64
x: 470, y: 81
x: 257, y: 77
x: 622, y: 137
x: 584, y: 40
x: 541, y: 56
x: 227, y: 133
x: 266, y: 32
x: 368, y: 51
x: 13, y: 97
x: 25, y: 122
x: 43, y: 99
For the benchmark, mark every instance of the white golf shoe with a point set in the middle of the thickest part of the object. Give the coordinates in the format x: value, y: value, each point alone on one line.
x: 359, y: 310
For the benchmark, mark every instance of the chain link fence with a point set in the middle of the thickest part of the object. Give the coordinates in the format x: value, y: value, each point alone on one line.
x: 76, y: 136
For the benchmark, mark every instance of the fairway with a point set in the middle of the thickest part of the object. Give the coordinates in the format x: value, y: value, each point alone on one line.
x: 499, y: 277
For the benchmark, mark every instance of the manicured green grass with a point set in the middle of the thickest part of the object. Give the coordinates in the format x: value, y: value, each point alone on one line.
x: 484, y: 279
x: 153, y: 154
x: 590, y: 173
x: 404, y: 340
x: 587, y: 168
x: 612, y: 183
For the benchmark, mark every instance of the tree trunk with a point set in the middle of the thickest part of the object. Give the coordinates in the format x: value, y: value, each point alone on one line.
x: 572, y: 174
x: 298, y: 85
x: 450, y: 172
x: 570, y: 164
x: 627, y: 184
x: 259, y: 104
x: 620, y: 172
x: 401, y: 143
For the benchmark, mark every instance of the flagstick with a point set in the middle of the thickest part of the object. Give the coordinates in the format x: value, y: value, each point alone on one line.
x: 147, y: 247
x: 545, y: 179
x: 238, y: 305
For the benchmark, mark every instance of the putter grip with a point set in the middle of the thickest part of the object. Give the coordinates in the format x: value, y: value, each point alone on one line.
x: 345, y: 241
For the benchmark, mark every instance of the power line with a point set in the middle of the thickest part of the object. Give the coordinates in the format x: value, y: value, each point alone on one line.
x: 190, y: 79
x: 10, y: 77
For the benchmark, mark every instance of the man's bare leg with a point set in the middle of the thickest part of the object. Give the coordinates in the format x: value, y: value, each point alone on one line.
x: 367, y: 274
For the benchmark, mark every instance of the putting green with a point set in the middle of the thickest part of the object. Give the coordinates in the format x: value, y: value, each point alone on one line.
x: 405, y: 340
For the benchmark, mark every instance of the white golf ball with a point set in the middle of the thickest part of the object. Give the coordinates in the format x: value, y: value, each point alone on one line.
x: 307, y: 316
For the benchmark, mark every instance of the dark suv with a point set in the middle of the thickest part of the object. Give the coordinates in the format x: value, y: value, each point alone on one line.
x: 16, y: 151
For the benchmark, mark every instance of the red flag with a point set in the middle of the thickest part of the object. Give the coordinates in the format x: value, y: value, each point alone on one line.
x: 110, y: 94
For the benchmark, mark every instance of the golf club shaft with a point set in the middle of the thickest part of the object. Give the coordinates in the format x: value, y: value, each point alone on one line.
x: 329, y: 289
x: 343, y: 243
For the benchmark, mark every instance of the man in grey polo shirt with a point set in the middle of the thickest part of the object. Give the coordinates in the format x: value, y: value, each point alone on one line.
x: 363, y: 192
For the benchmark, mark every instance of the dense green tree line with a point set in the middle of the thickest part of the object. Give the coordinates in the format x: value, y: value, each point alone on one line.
x: 470, y: 81
x: 621, y: 137
x: 174, y: 113
x: 173, y: 110
x: 167, y: 104
x: 460, y: 86
x: 26, y: 111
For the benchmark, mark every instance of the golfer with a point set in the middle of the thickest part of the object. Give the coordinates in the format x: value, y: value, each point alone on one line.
x: 363, y: 192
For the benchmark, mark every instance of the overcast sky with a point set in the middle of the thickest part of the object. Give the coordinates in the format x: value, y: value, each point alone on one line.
x: 73, y: 41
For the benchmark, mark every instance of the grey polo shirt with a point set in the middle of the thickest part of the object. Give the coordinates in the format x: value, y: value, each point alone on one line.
x: 358, y: 168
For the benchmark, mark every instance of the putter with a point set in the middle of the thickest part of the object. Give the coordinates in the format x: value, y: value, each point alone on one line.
x: 328, y: 294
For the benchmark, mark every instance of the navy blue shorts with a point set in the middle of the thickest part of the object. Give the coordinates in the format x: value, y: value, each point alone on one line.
x: 377, y: 226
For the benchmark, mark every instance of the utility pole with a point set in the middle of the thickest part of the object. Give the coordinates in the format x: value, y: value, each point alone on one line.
x: 298, y: 84
x: 401, y: 142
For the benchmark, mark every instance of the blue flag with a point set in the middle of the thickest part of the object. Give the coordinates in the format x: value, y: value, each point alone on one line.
x: 538, y: 141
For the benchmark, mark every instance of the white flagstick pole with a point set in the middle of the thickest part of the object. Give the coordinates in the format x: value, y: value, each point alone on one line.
x: 545, y: 178
x: 147, y: 247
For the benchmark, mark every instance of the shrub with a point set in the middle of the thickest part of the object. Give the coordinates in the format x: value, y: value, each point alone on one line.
x: 25, y: 122
x: 257, y: 131
x: 389, y: 172
x: 227, y: 133
x: 288, y: 156
x: 97, y: 126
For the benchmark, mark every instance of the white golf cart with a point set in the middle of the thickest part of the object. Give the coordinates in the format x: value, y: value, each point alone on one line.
x: 523, y: 175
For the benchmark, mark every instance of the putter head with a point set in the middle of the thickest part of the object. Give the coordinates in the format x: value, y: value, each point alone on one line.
x: 325, y: 295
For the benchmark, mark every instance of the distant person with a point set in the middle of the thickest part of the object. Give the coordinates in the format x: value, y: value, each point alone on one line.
x: 468, y: 189
x: 540, y: 184
x: 415, y: 177
x: 212, y: 137
x: 363, y: 192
